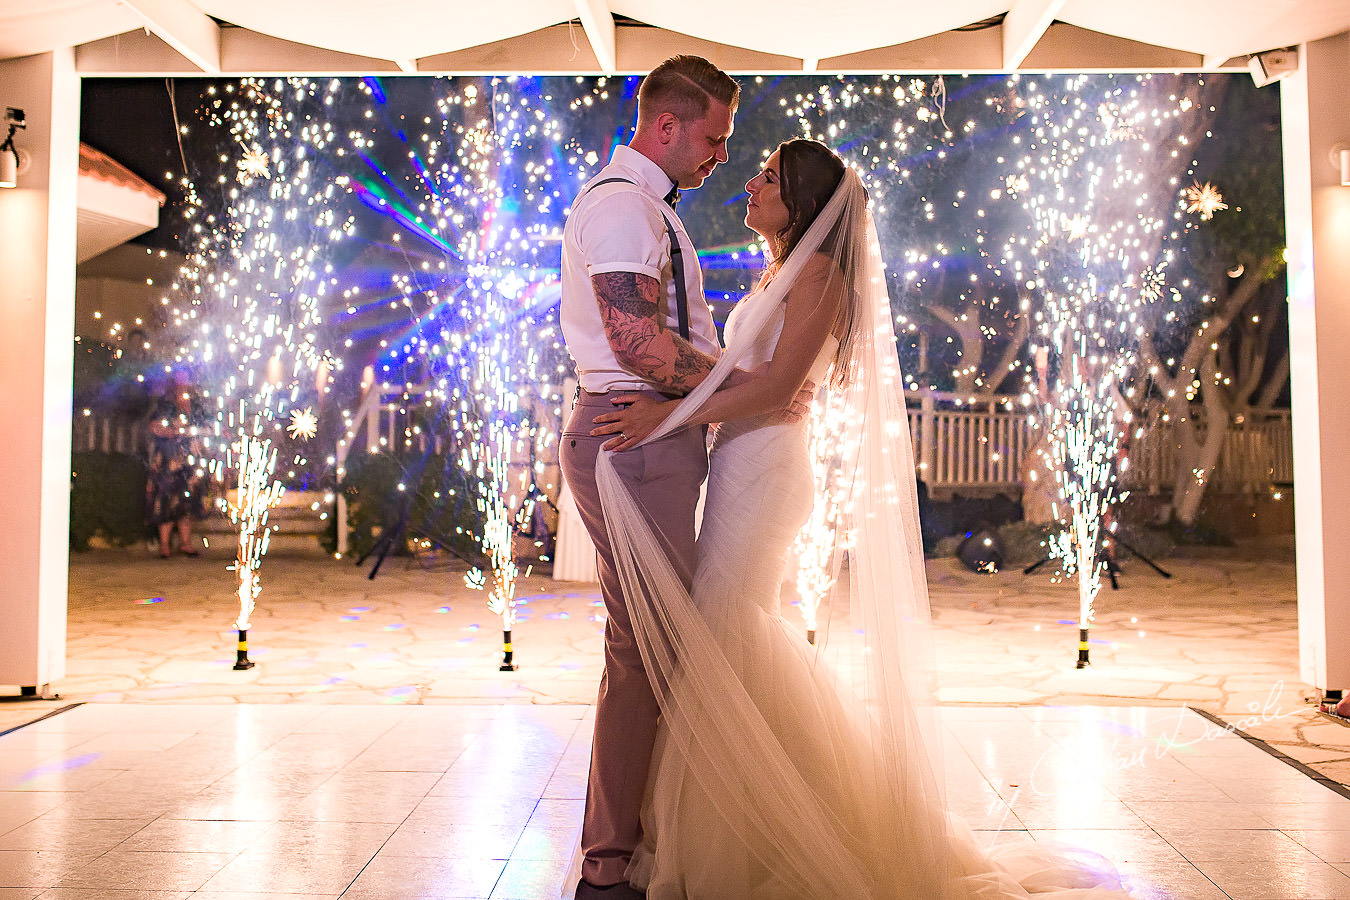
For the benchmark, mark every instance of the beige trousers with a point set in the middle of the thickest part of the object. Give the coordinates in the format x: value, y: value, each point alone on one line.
x: 665, y: 477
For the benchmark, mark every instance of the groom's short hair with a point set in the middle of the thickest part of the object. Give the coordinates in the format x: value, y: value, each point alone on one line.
x: 685, y: 85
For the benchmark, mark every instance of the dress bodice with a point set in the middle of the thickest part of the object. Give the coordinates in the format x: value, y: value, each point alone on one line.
x: 762, y: 350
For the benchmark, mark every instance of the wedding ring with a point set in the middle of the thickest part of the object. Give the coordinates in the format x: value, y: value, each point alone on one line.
x: 622, y: 435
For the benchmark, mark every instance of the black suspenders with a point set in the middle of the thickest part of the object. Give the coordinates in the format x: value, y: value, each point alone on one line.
x: 676, y: 264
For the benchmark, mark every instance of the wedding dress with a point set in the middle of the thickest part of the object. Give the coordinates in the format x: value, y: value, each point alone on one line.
x: 786, y: 771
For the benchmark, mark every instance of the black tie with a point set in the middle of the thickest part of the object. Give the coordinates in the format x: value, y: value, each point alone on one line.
x: 673, y: 198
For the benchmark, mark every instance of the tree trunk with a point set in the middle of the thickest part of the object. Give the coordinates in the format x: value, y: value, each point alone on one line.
x: 1041, y: 503
x: 1006, y: 362
x: 1195, y: 468
x: 1265, y: 401
x: 1197, y: 460
x: 971, y: 338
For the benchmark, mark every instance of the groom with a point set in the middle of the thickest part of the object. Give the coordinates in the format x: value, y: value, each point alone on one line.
x: 635, y: 320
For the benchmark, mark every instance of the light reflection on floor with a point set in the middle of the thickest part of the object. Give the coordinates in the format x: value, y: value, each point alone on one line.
x: 475, y: 800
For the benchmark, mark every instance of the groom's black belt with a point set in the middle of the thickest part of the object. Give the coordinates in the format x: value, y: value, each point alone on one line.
x: 676, y: 264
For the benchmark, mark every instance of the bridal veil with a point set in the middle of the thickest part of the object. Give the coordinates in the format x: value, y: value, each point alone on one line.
x: 862, y: 814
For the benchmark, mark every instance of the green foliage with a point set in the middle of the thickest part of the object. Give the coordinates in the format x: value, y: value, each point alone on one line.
x: 1244, y: 241
x: 1024, y: 543
x: 946, y: 546
x: 1151, y: 541
x: 1196, y: 535
x: 1246, y: 168
x: 107, y: 499
x: 431, y: 493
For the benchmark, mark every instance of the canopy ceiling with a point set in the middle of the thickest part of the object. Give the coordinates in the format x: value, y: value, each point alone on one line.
x: 210, y: 37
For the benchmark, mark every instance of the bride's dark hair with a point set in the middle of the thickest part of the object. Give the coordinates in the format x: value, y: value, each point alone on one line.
x: 810, y: 173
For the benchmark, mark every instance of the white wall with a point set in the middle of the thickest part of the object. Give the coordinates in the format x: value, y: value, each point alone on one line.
x: 1316, y: 116
x: 37, y: 306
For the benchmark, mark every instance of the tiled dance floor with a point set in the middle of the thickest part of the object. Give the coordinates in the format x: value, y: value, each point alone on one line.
x: 294, y: 802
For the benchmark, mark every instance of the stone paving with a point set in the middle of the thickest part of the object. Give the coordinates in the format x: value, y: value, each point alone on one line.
x: 1221, y: 636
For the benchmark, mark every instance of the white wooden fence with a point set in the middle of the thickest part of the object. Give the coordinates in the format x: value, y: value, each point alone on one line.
x: 960, y: 444
x: 954, y: 446
x: 966, y: 447
x: 1255, y: 455
x: 108, y: 434
x: 957, y: 446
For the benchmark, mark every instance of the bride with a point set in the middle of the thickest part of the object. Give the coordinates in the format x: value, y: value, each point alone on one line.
x: 785, y: 770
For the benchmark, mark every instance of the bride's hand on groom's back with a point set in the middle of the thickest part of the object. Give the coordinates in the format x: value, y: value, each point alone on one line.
x: 800, y: 407
x: 635, y: 417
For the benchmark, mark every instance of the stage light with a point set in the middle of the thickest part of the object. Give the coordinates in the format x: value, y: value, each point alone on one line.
x: 981, y: 552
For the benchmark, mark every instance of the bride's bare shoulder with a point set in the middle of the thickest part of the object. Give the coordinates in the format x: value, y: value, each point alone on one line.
x: 817, y: 267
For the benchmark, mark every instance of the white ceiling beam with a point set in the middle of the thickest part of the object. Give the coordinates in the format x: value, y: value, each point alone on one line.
x: 947, y: 52
x: 249, y: 52
x: 642, y: 49
x: 548, y: 51
x: 407, y: 66
x: 598, y: 20
x: 243, y: 52
x: 193, y: 34
x: 1216, y: 60
x: 1023, y: 28
x: 1068, y: 48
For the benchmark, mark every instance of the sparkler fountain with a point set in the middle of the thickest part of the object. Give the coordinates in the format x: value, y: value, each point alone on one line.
x: 814, y: 549
x: 249, y: 298
x: 872, y: 123
x: 482, y: 207
x: 1094, y: 180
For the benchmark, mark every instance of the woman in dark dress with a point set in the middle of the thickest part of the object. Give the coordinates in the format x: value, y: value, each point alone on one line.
x: 176, y: 476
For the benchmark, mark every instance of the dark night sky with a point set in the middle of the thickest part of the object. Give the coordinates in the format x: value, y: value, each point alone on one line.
x: 131, y: 120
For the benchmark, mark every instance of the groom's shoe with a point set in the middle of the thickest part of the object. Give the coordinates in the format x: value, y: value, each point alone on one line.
x: 621, y: 891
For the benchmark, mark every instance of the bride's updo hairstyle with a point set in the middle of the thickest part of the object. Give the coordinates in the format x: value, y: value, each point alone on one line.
x: 810, y: 173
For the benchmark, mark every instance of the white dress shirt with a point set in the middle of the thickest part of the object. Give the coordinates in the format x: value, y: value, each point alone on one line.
x: 622, y: 228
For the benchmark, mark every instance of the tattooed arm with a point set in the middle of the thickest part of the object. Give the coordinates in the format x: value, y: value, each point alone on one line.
x: 780, y: 387
x: 629, y: 305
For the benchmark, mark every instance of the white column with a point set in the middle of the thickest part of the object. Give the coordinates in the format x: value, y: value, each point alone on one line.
x: 1317, y: 211
x: 37, y: 306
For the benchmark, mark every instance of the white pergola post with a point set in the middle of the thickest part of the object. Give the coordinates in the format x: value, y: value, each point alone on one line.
x: 37, y: 323
x: 1315, y: 118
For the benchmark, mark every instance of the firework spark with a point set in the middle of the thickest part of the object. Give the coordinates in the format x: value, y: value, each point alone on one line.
x: 814, y: 547
x: 304, y: 424
x: 479, y: 212
x: 1204, y: 199
x: 254, y: 164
